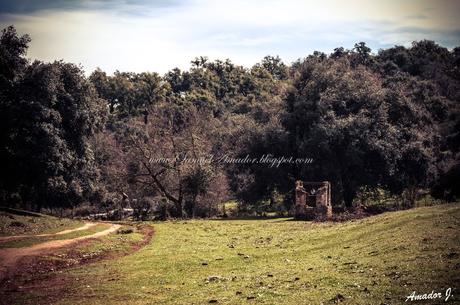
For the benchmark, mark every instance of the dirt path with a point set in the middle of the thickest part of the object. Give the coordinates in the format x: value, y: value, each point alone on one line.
x: 15, y: 237
x: 9, y: 257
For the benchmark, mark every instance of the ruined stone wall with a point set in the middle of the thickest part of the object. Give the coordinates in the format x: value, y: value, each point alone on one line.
x: 313, y: 200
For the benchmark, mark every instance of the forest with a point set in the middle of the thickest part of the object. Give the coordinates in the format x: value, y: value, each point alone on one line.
x: 378, y: 124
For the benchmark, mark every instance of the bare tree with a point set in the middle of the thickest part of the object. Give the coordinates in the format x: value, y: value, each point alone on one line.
x: 171, y: 155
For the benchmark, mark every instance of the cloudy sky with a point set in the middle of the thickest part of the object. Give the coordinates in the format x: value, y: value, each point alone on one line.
x: 141, y: 35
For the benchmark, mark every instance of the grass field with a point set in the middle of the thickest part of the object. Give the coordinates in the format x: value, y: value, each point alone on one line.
x: 378, y: 260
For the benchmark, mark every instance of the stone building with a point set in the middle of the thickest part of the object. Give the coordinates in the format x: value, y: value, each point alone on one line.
x: 312, y: 200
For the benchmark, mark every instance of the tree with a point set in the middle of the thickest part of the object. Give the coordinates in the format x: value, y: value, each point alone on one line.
x: 255, y: 183
x: 430, y: 75
x: 336, y: 115
x: 60, y: 112
x: 352, y: 125
x: 168, y: 155
x: 12, y: 65
x: 275, y: 66
x: 368, y: 121
x: 50, y: 111
x: 361, y: 54
x: 128, y: 94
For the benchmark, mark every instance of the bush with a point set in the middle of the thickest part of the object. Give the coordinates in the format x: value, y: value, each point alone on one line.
x: 204, y: 209
x: 125, y: 231
x: 84, y: 210
x: 447, y: 187
x: 163, y: 209
x: 378, y: 209
x: 142, y: 209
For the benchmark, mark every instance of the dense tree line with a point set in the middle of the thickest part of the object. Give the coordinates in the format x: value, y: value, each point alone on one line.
x: 386, y: 121
x: 48, y: 113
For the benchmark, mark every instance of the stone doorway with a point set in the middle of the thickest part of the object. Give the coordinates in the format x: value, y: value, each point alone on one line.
x: 312, y: 200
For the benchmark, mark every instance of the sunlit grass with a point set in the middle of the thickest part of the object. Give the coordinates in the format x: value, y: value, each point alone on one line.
x: 378, y: 260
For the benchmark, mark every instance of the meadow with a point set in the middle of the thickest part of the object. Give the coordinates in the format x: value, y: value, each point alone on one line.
x: 377, y: 260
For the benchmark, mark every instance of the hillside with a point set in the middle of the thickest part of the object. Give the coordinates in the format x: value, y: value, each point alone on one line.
x: 19, y: 222
x: 378, y: 260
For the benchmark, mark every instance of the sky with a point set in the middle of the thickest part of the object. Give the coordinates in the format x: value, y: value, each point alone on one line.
x: 157, y: 36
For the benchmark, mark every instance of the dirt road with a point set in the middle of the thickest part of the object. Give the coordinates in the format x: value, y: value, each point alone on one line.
x: 9, y: 257
x: 15, y: 237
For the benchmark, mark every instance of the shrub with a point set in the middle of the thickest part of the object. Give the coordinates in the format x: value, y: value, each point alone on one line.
x: 84, y: 210
x: 142, y: 208
x: 163, y: 209
x: 125, y: 231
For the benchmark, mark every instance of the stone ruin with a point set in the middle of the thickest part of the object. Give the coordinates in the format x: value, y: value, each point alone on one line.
x: 312, y: 200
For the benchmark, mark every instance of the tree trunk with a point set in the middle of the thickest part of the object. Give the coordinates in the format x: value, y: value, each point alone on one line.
x: 410, y: 196
x: 179, y: 212
x: 38, y: 207
x: 348, y: 197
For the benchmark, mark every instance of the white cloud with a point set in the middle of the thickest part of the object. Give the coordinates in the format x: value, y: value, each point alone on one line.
x: 143, y: 38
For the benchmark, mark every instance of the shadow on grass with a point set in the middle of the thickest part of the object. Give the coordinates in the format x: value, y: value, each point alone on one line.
x: 276, y: 218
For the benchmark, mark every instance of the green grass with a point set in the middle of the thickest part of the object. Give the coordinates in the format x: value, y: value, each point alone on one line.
x: 15, y: 224
x: 111, y: 242
x: 378, y: 260
x: 30, y: 241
